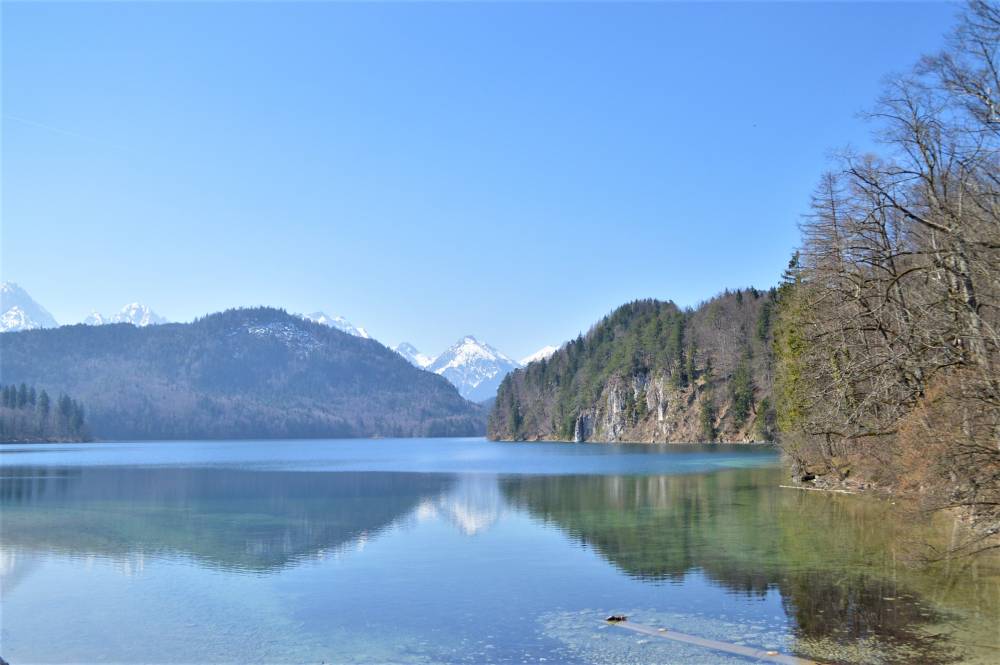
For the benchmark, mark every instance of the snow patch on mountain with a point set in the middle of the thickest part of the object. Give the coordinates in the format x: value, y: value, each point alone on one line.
x: 20, y: 311
x: 338, y: 322
x: 137, y: 314
x: 95, y: 318
x: 414, y: 356
x: 292, y: 336
x: 541, y: 354
x: 474, y: 367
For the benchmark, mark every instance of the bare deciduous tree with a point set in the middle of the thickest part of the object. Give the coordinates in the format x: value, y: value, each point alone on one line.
x: 890, y: 335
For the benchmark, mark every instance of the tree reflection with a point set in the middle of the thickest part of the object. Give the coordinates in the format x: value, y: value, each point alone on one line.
x: 833, y: 561
x: 235, y: 519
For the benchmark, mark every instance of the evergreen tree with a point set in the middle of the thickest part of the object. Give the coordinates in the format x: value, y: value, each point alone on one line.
x: 43, y: 407
x: 707, y: 418
x: 764, y: 321
x: 690, y: 363
x: 34, y: 420
x: 742, y: 393
x: 64, y: 411
x: 765, y: 425
x: 76, y: 419
x: 791, y: 273
x: 679, y: 373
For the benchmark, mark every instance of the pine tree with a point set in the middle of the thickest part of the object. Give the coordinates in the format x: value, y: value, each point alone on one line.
x: 76, y: 420
x: 791, y: 273
x: 708, y: 418
x: 765, y: 421
x: 64, y: 411
x: 764, y: 321
x: 43, y: 407
x: 22, y: 396
x: 690, y: 369
x: 679, y: 372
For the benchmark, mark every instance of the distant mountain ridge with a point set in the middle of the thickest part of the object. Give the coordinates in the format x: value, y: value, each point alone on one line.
x: 135, y: 313
x: 19, y: 311
x: 541, y: 354
x: 242, y: 373
x: 338, y: 322
x: 414, y: 356
x: 474, y: 367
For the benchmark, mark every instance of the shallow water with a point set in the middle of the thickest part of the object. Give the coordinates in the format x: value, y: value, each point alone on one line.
x: 459, y: 550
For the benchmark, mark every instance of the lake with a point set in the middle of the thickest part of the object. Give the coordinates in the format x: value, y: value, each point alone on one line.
x: 461, y: 550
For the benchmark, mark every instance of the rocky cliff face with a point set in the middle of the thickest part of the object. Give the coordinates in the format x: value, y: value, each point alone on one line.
x: 652, y: 410
x: 651, y: 373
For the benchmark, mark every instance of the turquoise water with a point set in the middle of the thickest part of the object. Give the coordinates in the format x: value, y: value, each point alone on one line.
x: 455, y: 550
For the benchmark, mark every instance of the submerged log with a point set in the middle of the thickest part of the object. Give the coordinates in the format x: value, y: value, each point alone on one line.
x: 815, y: 489
x: 727, y: 647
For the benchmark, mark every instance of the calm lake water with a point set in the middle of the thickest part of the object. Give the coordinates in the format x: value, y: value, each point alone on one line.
x: 459, y: 550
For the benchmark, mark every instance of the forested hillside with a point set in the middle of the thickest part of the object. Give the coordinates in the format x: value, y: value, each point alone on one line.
x: 888, y: 370
x: 651, y: 372
x: 243, y: 373
x: 27, y: 414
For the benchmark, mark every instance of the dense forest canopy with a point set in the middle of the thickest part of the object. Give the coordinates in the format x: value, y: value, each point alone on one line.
x: 650, y: 371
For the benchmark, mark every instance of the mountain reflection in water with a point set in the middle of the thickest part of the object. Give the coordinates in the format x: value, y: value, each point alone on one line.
x: 239, y: 520
x: 834, y: 561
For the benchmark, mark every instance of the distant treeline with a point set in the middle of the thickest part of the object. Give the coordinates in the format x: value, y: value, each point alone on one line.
x: 27, y: 414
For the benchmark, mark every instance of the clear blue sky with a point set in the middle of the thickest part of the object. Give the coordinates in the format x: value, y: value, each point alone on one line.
x: 513, y: 171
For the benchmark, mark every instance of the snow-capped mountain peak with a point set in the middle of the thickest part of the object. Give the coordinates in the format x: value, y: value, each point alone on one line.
x: 338, y: 322
x: 469, y: 350
x: 16, y: 318
x: 474, y: 367
x: 414, y: 356
x: 135, y: 313
x: 541, y: 354
x: 95, y: 318
x: 18, y: 311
